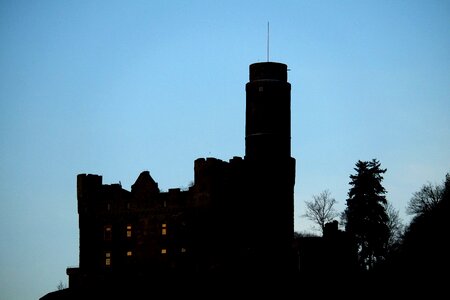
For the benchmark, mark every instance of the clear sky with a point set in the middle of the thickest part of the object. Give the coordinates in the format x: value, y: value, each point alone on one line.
x: 118, y: 87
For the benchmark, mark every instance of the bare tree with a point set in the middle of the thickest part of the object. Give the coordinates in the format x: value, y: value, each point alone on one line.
x: 425, y: 200
x: 321, y: 209
x: 395, y: 226
x: 61, y: 286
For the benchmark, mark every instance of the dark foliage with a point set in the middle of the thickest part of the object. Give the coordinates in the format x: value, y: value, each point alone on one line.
x: 365, y: 215
x: 423, y: 258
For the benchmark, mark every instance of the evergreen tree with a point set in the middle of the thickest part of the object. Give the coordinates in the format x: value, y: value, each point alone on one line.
x: 365, y: 216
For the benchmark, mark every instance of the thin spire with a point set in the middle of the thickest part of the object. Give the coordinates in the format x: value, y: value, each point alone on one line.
x: 268, y: 41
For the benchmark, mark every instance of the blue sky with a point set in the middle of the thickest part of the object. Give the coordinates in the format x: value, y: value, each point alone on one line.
x: 118, y: 87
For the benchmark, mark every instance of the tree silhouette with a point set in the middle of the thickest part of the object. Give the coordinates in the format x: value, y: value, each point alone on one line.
x: 425, y: 200
x: 395, y: 226
x: 423, y: 254
x: 61, y: 286
x: 321, y: 209
x: 365, y: 215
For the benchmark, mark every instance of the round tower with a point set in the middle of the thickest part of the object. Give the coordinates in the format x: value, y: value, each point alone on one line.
x: 270, y: 176
x: 268, y: 112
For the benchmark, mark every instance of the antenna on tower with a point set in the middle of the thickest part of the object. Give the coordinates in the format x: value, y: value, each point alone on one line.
x: 268, y: 41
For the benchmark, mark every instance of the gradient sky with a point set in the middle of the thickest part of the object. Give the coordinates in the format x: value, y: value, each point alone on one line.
x: 118, y: 87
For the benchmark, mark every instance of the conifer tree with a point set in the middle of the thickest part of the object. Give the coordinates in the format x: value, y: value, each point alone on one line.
x: 365, y: 216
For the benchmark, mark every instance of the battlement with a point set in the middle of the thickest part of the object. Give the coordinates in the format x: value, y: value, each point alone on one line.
x: 87, y: 185
x: 88, y: 181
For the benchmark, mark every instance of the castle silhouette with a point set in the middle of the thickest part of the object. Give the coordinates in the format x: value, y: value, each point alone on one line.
x: 237, y: 215
x: 233, y: 227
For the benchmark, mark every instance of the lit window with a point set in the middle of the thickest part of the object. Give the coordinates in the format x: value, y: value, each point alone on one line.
x: 108, y: 259
x: 261, y: 89
x: 183, y: 250
x: 129, y: 253
x: 107, y: 232
x: 163, y: 251
x: 128, y: 230
x: 164, y: 229
x: 108, y: 207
